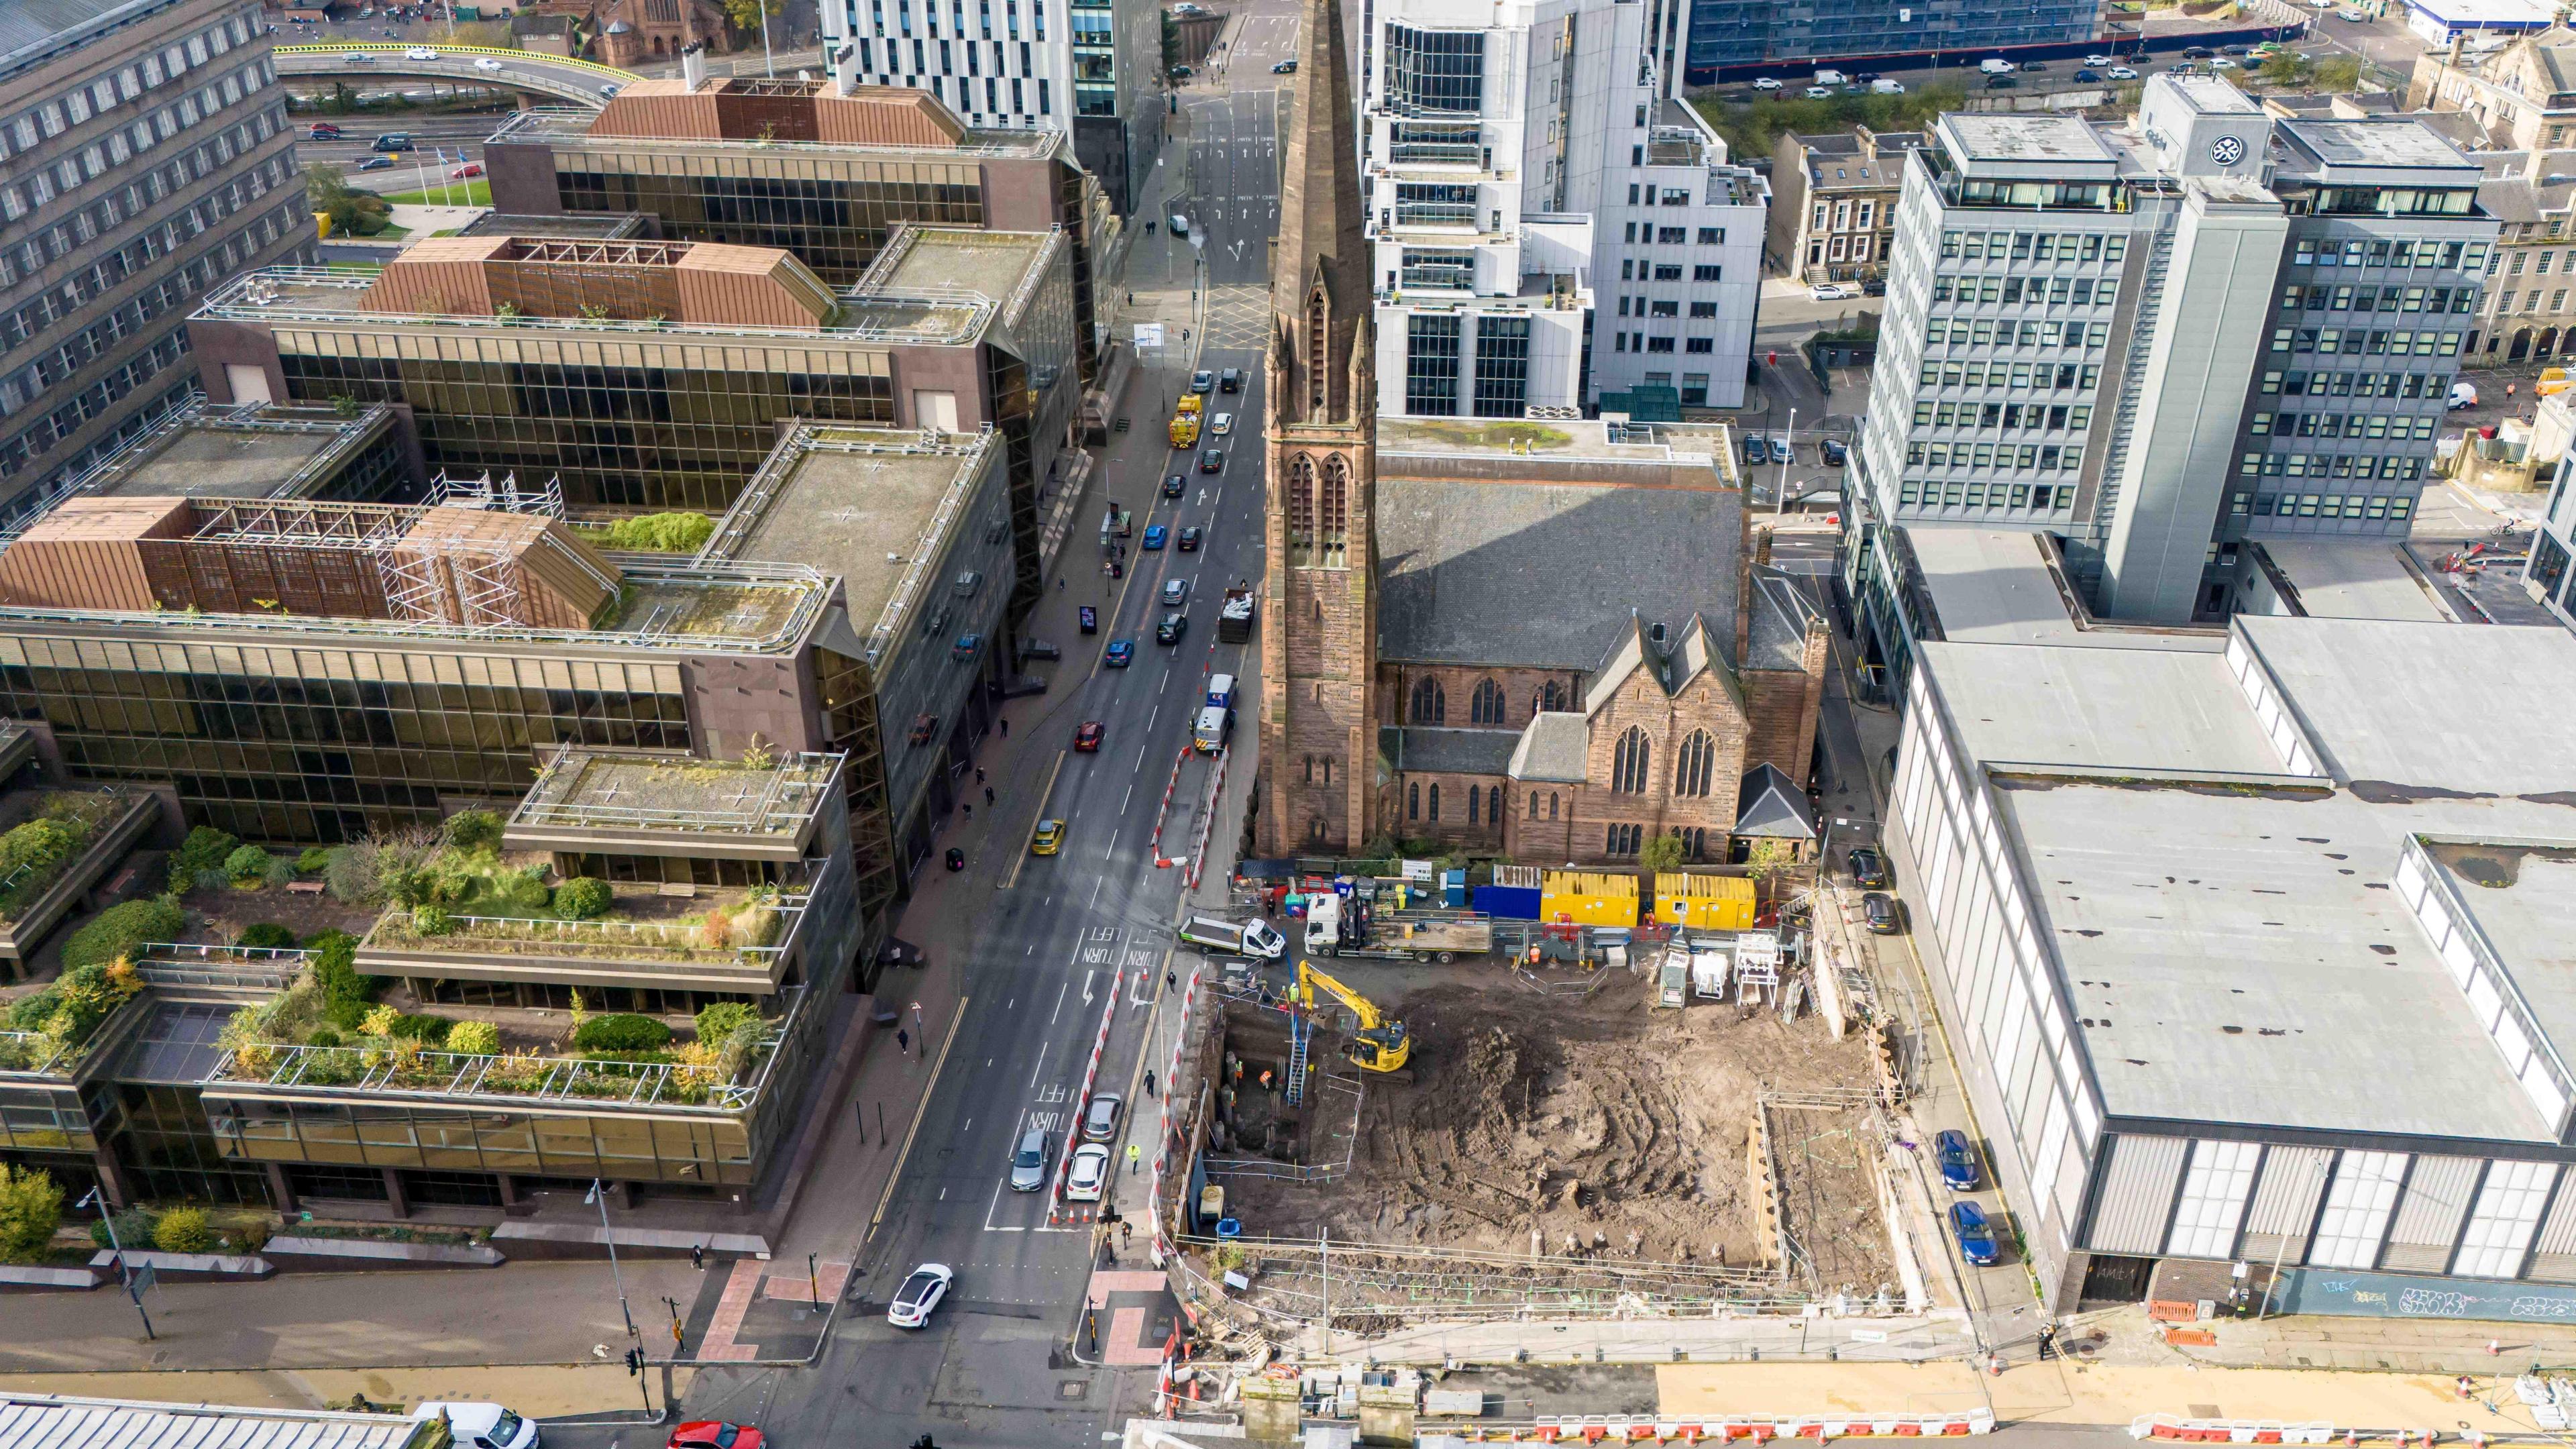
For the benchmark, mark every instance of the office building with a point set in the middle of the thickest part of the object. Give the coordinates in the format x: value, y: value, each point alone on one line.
x: 1833, y: 203
x: 2545, y: 571
x: 145, y: 157
x: 1724, y: 33
x: 801, y: 166
x: 2522, y: 92
x: 2153, y: 343
x: 2179, y: 891
x: 267, y: 450
x: 657, y: 374
x: 1090, y: 71
x: 1521, y: 163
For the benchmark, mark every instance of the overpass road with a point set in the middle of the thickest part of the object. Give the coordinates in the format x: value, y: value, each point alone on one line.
x: 526, y: 72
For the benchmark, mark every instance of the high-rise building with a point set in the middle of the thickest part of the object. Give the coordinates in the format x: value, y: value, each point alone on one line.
x: 1087, y: 68
x: 145, y: 156
x: 1548, y: 225
x: 1750, y: 32
x: 2155, y: 341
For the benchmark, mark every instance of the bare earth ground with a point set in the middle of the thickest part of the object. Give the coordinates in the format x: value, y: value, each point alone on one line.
x: 1597, y: 1118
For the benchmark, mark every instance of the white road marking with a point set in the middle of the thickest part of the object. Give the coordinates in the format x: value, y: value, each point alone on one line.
x: 1059, y: 1011
x: 1123, y: 799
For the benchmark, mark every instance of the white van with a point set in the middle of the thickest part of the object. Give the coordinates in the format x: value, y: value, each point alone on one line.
x: 1220, y: 690
x: 481, y: 1426
x: 1885, y: 87
x: 1208, y: 735
x: 1830, y: 78
x: 1995, y: 66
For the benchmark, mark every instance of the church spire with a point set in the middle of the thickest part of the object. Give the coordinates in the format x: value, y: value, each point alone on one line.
x: 1319, y: 281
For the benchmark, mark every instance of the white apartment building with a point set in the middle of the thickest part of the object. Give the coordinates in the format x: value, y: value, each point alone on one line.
x: 1549, y: 224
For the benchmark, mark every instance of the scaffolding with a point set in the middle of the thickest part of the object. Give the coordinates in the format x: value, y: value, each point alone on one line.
x: 503, y: 495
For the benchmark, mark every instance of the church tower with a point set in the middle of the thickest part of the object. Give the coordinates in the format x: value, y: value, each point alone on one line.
x: 1319, y: 604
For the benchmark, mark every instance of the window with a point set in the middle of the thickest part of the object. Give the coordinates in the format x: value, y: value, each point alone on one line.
x: 1668, y: 271
x: 1486, y: 707
x: 1696, y: 767
x: 1413, y: 801
x: 1502, y: 368
x: 1710, y: 236
x: 1703, y: 309
x: 1699, y: 344
x: 1431, y: 365
x: 1629, y: 762
x: 2213, y: 1198
x: 1624, y: 839
x: 1431, y: 71
x: 2508, y: 1207
x: 2357, y: 1206
x: 1430, y: 703
x: 1706, y: 272
x: 1434, y: 816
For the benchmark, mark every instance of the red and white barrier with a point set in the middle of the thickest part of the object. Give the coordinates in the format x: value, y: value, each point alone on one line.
x: 1613, y: 1429
x: 1163, y: 812
x: 2242, y: 1431
x: 1056, y: 1209
x: 1207, y: 819
x: 1160, y: 1241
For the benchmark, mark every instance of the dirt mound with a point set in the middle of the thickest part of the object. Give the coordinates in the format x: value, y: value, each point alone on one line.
x: 1608, y: 1128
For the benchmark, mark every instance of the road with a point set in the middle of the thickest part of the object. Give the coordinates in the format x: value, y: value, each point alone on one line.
x: 994, y: 1366
x: 452, y: 135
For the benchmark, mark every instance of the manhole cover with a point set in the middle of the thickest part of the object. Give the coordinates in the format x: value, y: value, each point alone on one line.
x: 1071, y: 1389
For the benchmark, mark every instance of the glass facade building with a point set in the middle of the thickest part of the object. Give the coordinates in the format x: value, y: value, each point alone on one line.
x: 145, y: 156
x: 1725, y: 33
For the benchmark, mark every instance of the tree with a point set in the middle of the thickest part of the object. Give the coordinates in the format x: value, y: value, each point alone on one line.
x: 1769, y: 858
x: 2287, y: 68
x: 31, y: 1207
x: 2338, y: 73
x: 352, y: 212
x: 745, y: 15
x: 1171, y: 47
x: 1660, y: 853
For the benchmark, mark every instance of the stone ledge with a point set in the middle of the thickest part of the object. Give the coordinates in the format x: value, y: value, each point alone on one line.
x: 336, y: 1255
x: 569, y: 1240
x: 15, y: 1278
x: 187, y: 1267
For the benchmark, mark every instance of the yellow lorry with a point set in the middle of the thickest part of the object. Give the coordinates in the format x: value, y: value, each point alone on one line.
x: 1185, y: 428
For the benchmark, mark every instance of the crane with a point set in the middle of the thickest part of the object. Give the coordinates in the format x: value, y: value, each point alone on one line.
x: 1380, y: 1044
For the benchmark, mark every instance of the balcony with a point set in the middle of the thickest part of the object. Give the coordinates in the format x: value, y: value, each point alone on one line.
x: 688, y: 938
x: 597, y: 802
x: 70, y: 838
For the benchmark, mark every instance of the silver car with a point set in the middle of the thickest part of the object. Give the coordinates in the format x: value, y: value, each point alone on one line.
x: 1029, y: 1164
x: 1100, y: 1121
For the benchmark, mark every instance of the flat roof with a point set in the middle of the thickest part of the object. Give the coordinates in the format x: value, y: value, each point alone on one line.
x: 583, y: 789
x: 56, y: 1422
x: 570, y: 126
x: 2522, y: 898
x: 1994, y: 586
x: 2486, y: 12
x: 1557, y: 438
x: 2213, y: 97
x: 2230, y: 948
x: 2353, y: 579
x: 2394, y: 141
x: 2024, y: 138
x: 872, y: 505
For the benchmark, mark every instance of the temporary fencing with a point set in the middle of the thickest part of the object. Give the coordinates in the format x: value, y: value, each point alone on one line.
x: 1162, y: 1243
x: 1613, y: 1429
x: 1207, y: 818
x: 1163, y: 812
x: 1057, y: 1209
x: 2244, y: 1431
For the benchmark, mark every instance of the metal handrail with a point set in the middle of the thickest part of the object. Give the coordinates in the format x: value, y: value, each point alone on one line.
x: 571, y: 124
x: 800, y: 781
x: 524, y: 56
x: 790, y: 908
x: 61, y: 1053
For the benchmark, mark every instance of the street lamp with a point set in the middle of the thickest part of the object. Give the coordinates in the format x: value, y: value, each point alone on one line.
x: 125, y: 1275
x: 599, y: 1195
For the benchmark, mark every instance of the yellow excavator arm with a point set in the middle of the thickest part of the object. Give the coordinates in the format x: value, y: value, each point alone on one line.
x: 1308, y: 978
x: 1380, y: 1045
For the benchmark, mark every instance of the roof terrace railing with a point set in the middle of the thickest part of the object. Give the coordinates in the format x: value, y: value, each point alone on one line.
x: 570, y: 125
x: 797, y: 784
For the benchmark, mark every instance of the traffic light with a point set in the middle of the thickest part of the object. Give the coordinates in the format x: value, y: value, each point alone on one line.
x: 635, y: 1361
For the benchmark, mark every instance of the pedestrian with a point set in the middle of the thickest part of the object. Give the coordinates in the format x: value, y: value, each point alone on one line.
x: 1149, y: 1084
x: 902, y: 1041
x: 979, y: 774
x: 1126, y: 1230
x: 1171, y: 979
x: 698, y: 1256
x: 1006, y: 729
x: 988, y: 797
x: 1135, y: 1155
x: 969, y: 808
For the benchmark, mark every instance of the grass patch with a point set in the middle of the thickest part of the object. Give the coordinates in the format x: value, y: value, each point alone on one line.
x: 1491, y: 435
x: 1754, y: 128
x: 476, y: 192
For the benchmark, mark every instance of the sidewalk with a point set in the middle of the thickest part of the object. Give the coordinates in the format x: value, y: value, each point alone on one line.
x: 540, y: 1391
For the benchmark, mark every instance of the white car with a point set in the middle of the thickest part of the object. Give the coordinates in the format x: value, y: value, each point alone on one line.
x: 1221, y: 424
x: 1089, y: 1175
x: 919, y: 1294
x: 485, y: 62
x: 2101, y: 60
x: 420, y: 52
x: 474, y: 1426
x: 1765, y: 83
x: 1831, y: 292
x: 2122, y: 72
x: 1819, y: 93
x: 2463, y: 395
x: 2220, y: 62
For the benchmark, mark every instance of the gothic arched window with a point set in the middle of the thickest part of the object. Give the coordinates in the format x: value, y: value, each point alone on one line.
x: 1333, y: 515
x: 1430, y: 703
x: 1487, y: 707
x: 1628, y: 762
x: 1301, y: 509
x: 1691, y: 775
x: 1435, y: 804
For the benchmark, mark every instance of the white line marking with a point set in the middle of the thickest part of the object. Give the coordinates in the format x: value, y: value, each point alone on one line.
x: 1059, y: 1011
x: 1086, y: 985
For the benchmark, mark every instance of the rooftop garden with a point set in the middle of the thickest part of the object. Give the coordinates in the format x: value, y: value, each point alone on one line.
x: 54, y: 828
x: 676, y: 533
x: 463, y: 893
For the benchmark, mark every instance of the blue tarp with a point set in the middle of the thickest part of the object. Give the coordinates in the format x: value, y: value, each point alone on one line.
x: 1515, y: 903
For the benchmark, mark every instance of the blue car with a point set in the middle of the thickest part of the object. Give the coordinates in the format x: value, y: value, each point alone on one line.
x: 1154, y: 537
x: 2087, y: 77
x: 1122, y: 652
x: 1958, y: 1160
x: 1976, y: 1239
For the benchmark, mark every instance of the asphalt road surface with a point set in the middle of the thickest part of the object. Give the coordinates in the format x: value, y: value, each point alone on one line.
x: 993, y: 1367
x: 455, y: 135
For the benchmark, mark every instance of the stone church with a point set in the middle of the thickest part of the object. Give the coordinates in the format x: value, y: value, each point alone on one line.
x: 1540, y: 639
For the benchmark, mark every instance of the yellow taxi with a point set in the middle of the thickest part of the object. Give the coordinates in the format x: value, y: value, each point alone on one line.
x: 1049, y: 839
x: 2553, y: 380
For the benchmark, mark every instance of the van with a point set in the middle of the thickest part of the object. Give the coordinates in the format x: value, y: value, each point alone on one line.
x: 1251, y: 938
x: 1829, y: 78
x: 1995, y: 65
x: 1883, y: 87
x: 392, y: 141
x: 1209, y: 734
x: 481, y: 1426
x: 1220, y: 690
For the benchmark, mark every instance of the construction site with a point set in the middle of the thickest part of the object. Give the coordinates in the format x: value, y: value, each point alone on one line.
x: 1552, y: 1141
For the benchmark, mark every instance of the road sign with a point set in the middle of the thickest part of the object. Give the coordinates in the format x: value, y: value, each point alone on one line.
x: 1149, y: 334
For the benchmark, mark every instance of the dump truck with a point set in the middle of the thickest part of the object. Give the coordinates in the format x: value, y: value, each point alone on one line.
x: 1394, y: 936
x: 1234, y: 618
x: 1185, y: 428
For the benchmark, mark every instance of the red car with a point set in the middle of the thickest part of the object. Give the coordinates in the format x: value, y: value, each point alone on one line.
x: 1087, y: 738
x: 714, y: 1434
x: 466, y: 172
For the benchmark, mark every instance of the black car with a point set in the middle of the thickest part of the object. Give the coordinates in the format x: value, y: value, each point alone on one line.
x: 2197, y: 52
x: 1756, y: 452
x: 1835, y: 453
x: 1211, y: 460
x: 2002, y: 82
x: 2087, y: 77
x: 1190, y: 538
x: 1868, y: 867
x: 1180, y: 72
x: 1884, y: 916
x: 1864, y: 77
x: 1174, y: 625
x: 1230, y: 380
x: 1285, y: 67
x: 1175, y: 485
x: 1873, y: 288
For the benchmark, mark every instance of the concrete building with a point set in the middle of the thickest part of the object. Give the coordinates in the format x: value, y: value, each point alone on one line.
x: 2173, y: 885
x: 2545, y: 572
x: 2524, y: 315
x: 657, y: 374
x: 145, y: 157
x: 2443, y: 23
x: 1750, y: 32
x: 796, y: 165
x: 1833, y: 204
x: 2523, y: 92
x: 2118, y: 338
x: 1091, y: 70
x: 1517, y: 162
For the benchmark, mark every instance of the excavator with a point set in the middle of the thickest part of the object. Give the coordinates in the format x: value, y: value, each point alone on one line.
x: 1380, y: 1044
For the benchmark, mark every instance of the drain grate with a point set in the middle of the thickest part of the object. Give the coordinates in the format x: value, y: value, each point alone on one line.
x: 1072, y: 1388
